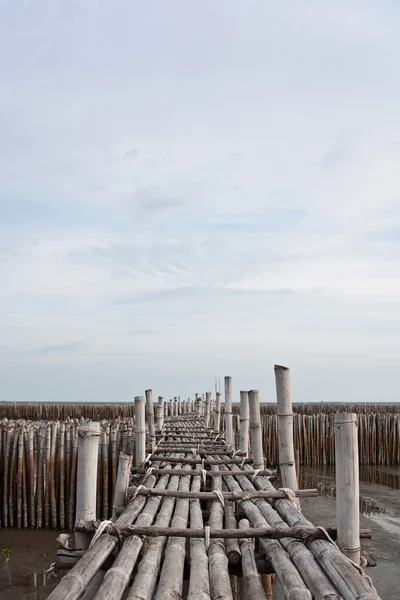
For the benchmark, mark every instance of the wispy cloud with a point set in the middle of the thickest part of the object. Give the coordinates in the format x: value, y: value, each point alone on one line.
x: 160, y: 205
x: 195, y: 206
x: 66, y: 347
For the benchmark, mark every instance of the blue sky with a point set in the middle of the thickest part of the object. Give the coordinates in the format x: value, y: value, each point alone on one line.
x: 198, y: 187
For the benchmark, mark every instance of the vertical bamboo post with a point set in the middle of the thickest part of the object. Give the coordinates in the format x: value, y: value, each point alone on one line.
x: 207, y: 411
x: 228, y: 411
x: 160, y: 413
x: 347, y: 484
x: 244, y: 422
x: 217, y: 422
x: 150, y: 418
x: 140, y: 432
x: 86, y: 487
x: 285, y: 427
x: 255, y: 429
x: 124, y: 471
x: 62, y: 476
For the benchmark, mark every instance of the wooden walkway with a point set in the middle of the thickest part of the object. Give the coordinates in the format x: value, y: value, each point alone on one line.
x: 201, y: 524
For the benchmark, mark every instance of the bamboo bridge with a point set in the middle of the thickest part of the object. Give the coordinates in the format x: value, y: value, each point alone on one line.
x: 197, y: 519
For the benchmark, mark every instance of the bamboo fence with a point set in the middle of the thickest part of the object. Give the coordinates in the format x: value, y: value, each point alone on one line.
x: 38, y: 458
x: 38, y: 462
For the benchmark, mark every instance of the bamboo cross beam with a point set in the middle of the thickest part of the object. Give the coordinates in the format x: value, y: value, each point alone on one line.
x: 219, y: 473
x: 299, y: 533
x: 226, y: 495
x: 199, y: 461
x: 201, y: 451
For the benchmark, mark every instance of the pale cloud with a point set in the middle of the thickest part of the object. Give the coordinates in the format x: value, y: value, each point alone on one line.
x: 187, y: 189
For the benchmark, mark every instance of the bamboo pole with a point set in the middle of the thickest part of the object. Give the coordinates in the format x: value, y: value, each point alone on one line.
x: 6, y: 475
x: 285, y: 427
x: 140, y: 445
x: 244, y: 422
x: 88, y: 443
x: 228, y: 411
x: 254, y: 589
x: 12, y: 482
x: 207, y: 409
x: 150, y: 418
x: 114, y: 461
x: 124, y: 471
x: 160, y: 413
x: 220, y: 585
x: 105, y: 463
x: 347, y: 484
x: 53, y: 504
x: 47, y: 477
x: 231, y: 544
x: 19, y: 477
x: 255, y: 430
x: 62, y: 476
x: 228, y: 496
x: 72, y: 491
x: 199, y: 584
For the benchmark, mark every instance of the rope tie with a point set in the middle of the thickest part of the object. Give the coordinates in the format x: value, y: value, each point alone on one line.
x: 207, y: 537
x: 194, y: 452
x: 256, y: 472
x: 291, y: 496
x: 136, y: 492
x: 204, y: 475
x: 243, y: 462
x: 220, y: 496
x: 146, y: 460
x: 360, y: 568
x: 235, y: 452
x: 100, y: 530
x: 148, y: 472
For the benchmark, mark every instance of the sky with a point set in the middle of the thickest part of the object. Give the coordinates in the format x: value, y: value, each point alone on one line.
x: 199, y: 188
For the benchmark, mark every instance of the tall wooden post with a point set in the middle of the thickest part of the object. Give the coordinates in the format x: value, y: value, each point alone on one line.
x: 217, y: 422
x: 285, y: 427
x: 207, y: 410
x: 244, y: 422
x: 347, y: 484
x: 160, y: 413
x: 140, y: 431
x: 123, y: 476
x: 255, y: 429
x: 229, y: 438
x: 86, y: 480
x: 150, y: 418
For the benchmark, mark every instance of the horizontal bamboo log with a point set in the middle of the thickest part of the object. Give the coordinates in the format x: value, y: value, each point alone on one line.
x: 227, y: 495
x: 140, y: 470
x: 299, y: 533
x: 199, y: 461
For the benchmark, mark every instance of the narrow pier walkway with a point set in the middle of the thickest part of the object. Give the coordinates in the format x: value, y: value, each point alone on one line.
x: 201, y: 524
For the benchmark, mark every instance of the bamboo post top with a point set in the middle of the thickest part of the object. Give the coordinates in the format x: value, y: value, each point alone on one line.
x: 171, y: 501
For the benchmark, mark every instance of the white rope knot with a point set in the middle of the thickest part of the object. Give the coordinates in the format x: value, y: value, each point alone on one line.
x: 256, y: 472
x: 291, y: 496
x: 235, y: 452
x: 194, y: 452
x: 100, y: 530
x: 146, y: 460
x: 219, y: 496
x: 207, y: 537
x: 204, y: 475
x: 243, y: 462
x: 136, y: 492
x: 148, y: 472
